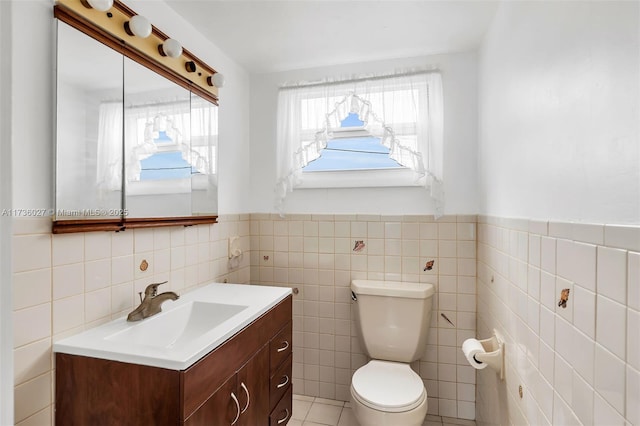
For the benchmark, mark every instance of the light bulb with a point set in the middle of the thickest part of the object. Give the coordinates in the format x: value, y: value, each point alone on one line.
x: 216, y: 80
x: 101, y: 5
x: 171, y: 48
x: 138, y: 26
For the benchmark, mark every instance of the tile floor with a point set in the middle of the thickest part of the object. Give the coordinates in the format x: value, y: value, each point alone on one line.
x: 310, y: 411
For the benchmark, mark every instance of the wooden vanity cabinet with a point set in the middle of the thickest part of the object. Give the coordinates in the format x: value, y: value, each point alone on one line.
x: 238, y: 381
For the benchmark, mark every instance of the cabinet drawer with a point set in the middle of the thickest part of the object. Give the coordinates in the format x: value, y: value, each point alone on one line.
x: 282, y: 413
x: 280, y: 381
x: 280, y: 346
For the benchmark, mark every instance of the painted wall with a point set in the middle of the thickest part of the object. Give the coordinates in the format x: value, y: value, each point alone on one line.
x: 6, y: 311
x: 559, y: 115
x: 560, y: 112
x: 460, y: 112
x: 33, y: 82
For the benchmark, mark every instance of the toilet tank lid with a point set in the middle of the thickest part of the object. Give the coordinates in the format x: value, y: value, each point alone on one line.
x: 392, y: 288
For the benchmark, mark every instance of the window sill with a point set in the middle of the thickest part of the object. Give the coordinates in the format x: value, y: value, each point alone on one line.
x: 359, y: 179
x: 169, y: 186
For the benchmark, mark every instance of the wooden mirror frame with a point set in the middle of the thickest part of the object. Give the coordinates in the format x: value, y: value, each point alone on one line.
x: 73, y: 13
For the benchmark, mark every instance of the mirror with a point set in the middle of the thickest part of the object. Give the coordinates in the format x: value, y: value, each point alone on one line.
x: 89, y: 84
x: 131, y: 144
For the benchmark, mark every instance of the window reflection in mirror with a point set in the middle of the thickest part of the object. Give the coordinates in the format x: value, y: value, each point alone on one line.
x: 89, y: 111
x: 158, y: 154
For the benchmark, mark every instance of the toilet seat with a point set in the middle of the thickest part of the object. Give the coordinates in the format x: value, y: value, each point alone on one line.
x: 388, y: 386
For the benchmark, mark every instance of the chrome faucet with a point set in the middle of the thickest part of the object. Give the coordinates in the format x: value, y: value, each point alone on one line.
x: 152, y: 302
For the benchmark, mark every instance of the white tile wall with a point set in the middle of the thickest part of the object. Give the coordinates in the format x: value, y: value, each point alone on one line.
x: 633, y: 338
x: 633, y: 277
x: 315, y: 254
x: 612, y: 273
x: 579, y: 364
x: 633, y: 395
x: 63, y: 284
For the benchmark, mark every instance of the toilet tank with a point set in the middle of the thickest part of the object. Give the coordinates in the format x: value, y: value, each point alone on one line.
x: 393, y: 318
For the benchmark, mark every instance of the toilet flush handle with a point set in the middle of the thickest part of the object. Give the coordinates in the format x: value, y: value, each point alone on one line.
x: 354, y: 297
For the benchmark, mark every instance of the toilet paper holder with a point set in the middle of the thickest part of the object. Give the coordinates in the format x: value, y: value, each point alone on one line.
x: 494, y: 353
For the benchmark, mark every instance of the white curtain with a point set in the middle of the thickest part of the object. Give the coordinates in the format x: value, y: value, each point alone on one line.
x: 204, y: 136
x: 404, y: 111
x: 109, y: 164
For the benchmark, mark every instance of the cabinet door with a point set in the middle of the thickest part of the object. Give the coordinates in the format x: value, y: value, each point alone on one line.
x: 253, y: 389
x: 221, y: 409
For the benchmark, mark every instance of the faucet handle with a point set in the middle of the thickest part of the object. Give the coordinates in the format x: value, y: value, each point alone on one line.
x: 152, y: 289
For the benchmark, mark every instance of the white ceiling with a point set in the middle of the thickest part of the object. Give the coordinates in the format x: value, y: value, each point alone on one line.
x: 267, y: 35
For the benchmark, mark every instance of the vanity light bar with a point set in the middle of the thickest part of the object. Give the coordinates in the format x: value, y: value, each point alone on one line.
x: 165, y: 55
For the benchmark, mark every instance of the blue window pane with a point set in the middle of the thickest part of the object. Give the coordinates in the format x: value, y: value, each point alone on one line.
x: 165, y: 174
x: 353, y: 154
x: 165, y: 165
x: 162, y: 137
x: 358, y: 144
x: 352, y: 120
x: 349, y: 160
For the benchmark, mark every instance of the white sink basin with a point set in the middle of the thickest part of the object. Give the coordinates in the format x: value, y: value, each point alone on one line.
x: 185, y: 330
x: 177, y: 326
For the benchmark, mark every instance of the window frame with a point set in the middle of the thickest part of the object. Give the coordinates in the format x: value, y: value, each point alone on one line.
x: 361, y: 178
x: 303, y: 131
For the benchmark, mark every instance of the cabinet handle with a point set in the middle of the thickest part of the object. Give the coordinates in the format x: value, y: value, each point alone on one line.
x: 247, y: 392
x: 237, y: 408
x: 286, y: 416
x: 283, y: 384
x: 285, y: 347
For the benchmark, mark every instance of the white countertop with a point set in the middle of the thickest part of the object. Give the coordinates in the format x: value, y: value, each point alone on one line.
x: 99, y: 342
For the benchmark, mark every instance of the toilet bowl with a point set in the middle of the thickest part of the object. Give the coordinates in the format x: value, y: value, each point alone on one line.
x: 385, y: 393
x: 393, y: 319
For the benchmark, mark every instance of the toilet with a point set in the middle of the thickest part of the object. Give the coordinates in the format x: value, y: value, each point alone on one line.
x: 393, y: 319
